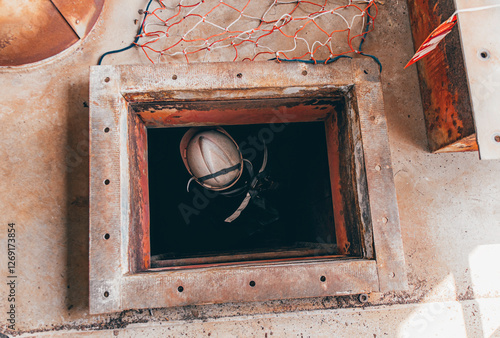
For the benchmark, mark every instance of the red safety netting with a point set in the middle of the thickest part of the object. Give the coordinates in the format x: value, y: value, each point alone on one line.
x: 223, y: 30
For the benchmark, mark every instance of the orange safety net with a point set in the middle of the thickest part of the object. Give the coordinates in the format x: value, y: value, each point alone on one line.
x: 224, y: 30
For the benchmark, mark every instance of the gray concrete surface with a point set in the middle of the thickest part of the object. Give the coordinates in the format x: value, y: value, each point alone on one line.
x: 449, y: 208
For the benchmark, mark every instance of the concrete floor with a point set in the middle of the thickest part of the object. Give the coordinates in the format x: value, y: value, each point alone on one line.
x: 448, y: 203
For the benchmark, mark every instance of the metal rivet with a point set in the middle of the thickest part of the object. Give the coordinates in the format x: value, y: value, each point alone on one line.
x: 180, y: 288
x: 106, y: 236
x: 363, y: 298
x: 106, y: 294
x: 496, y: 138
x: 322, y: 278
x: 378, y: 168
x: 483, y: 54
x: 106, y: 130
x: 384, y: 220
x: 174, y: 77
x: 77, y: 22
x: 304, y: 72
x: 107, y: 79
x: 106, y: 181
x: 252, y: 283
x: 239, y: 75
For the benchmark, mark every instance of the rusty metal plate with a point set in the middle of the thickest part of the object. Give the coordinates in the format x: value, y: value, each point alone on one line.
x: 32, y: 31
x: 81, y: 15
x: 443, y: 80
x: 120, y: 276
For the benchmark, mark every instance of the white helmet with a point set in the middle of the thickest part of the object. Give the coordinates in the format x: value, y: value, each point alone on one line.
x: 212, y: 157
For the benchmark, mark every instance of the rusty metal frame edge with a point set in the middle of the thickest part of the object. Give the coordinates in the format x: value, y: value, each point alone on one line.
x: 112, y: 289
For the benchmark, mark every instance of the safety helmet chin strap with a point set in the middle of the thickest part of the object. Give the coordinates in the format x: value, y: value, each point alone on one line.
x: 216, y: 174
x: 237, y: 166
x: 251, y: 190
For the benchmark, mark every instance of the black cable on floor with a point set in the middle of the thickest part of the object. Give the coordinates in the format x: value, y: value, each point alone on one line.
x: 133, y: 43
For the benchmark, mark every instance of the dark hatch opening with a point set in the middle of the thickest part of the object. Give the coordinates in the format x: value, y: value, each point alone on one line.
x: 188, y: 227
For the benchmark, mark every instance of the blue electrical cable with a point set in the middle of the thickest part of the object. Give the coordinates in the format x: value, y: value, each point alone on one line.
x: 312, y: 61
x: 374, y: 59
x: 363, y: 40
x: 366, y: 29
x: 133, y: 43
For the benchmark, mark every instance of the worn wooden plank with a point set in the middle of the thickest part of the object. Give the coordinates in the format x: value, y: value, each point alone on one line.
x: 232, y: 284
x: 106, y: 190
x: 381, y: 189
x: 219, y: 79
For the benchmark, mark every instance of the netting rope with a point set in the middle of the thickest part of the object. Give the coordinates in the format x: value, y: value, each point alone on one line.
x: 308, y: 31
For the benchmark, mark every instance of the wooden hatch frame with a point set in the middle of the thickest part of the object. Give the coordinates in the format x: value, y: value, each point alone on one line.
x: 347, y: 95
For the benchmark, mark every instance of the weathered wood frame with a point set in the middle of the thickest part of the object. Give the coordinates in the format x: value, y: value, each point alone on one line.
x: 122, y: 98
